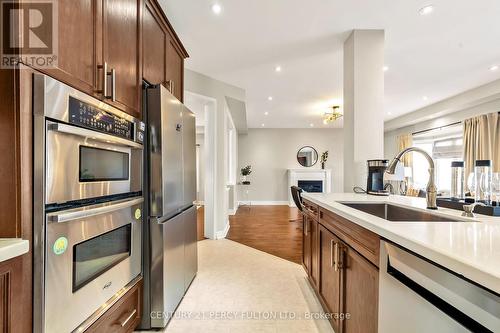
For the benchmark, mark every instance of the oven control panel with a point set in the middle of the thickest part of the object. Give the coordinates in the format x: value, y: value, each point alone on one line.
x: 89, y: 116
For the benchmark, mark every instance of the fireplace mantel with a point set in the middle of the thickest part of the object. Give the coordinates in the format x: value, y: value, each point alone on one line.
x: 294, y: 175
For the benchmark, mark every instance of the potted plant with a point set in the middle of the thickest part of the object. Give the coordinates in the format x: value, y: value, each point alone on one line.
x: 245, y: 172
x: 324, y: 158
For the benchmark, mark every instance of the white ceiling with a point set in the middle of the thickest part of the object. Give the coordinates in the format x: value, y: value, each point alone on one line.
x: 438, y: 55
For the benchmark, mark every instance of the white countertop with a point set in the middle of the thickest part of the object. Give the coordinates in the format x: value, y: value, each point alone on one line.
x: 471, y: 249
x: 12, y: 247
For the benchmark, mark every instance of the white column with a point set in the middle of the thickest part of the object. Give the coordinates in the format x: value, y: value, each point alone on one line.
x: 363, y: 104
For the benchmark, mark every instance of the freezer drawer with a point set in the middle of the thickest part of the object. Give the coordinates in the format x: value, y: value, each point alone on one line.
x: 174, y: 263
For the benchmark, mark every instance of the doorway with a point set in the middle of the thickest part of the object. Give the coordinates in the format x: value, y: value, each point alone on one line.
x: 204, y: 108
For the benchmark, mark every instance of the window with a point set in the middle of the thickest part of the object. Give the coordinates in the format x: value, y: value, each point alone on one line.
x: 444, y: 145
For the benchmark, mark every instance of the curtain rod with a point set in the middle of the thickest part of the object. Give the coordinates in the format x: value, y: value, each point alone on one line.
x: 435, y: 128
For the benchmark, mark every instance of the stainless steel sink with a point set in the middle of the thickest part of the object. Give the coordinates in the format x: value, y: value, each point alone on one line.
x: 399, y: 214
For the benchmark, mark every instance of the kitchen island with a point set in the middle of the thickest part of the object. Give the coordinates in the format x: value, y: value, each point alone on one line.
x: 342, y: 249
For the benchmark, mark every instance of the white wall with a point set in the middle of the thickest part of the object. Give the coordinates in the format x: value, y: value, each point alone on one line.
x: 203, y: 85
x: 272, y: 151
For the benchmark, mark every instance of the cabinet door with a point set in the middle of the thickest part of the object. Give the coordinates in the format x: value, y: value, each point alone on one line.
x: 175, y: 69
x: 306, y: 244
x: 76, y: 61
x: 360, y: 292
x: 314, y: 266
x: 154, y: 45
x: 329, y: 281
x: 120, y: 38
x: 11, y: 304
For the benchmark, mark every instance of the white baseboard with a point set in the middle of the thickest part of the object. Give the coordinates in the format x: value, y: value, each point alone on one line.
x: 222, y: 234
x: 263, y: 203
x: 232, y: 211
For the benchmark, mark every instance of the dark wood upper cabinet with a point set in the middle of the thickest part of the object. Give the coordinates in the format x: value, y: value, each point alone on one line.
x: 76, y: 62
x: 360, y: 292
x: 175, y: 69
x: 154, y: 45
x: 121, y: 54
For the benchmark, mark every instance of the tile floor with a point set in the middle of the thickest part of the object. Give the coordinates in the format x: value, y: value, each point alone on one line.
x: 240, y: 289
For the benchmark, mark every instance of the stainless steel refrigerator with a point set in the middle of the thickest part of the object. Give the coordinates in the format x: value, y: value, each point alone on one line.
x: 172, y: 262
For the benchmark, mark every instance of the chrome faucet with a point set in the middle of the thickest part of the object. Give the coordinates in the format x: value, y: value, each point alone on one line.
x: 469, y: 209
x: 431, y: 184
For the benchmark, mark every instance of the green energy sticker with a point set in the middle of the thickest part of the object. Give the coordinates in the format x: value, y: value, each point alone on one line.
x: 138, y: 213
x: 60, y: 245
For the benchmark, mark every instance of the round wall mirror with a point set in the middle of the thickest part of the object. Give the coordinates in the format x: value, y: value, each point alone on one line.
x: 307, y: 156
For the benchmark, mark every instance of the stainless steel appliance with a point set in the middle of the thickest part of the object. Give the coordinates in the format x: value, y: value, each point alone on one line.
x: 417, y: 295
x: 87, y: 206
x: 172, y: 261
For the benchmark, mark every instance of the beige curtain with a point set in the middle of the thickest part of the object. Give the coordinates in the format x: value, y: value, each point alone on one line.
x: 482, y: 141
x: 406, y: 141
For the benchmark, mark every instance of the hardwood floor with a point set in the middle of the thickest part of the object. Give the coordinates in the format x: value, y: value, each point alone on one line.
x: 268, y: 228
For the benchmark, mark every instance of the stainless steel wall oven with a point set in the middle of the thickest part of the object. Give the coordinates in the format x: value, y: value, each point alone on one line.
x: 87, y: 205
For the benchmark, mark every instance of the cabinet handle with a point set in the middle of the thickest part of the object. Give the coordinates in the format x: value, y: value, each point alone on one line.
x: 336, y: 256
x: 113, y: 85
x: 105, y: 73
x: 130, y: 316
x: 104, y: 68
x: 171, y: 86
x: 332, y: 260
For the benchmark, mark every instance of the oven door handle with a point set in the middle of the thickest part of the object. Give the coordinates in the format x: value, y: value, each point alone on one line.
x: 88, y: 212
x: 73, y: 130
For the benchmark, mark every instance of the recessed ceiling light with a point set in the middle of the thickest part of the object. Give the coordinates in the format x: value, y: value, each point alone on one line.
x: 266, y: 113
x: 270, y: 98
x: 389, y: 113
x: 494, y: 68
x: 426, y: 10
x: 425, y: 98
x: 262, y: 125
x: 216, y: 8
x: 311, y: 125
x: 277, y: 69
x: 385, y: 68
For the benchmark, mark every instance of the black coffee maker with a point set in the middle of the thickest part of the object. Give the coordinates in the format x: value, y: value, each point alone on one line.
x: 375, y: 181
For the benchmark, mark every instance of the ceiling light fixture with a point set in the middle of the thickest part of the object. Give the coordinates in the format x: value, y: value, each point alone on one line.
x: 262, y: 125
x: 331, y: 116
x: 426, y: 10
x: 311, y: 125
x: 270, y: 98
x: 389, y: 113
x: 278, y: 69
x: 425, y: 98
x: 385, y: 68
x: 266, y: 113
x: 216, y: 8
x: 494, y: 68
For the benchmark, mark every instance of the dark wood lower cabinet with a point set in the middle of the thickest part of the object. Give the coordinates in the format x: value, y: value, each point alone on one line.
x: 13, y: 311
x: 123, y: 316
x: 345, y: 281
x: 360, y: 292
x: 306, y: 244
x: 329, y: 287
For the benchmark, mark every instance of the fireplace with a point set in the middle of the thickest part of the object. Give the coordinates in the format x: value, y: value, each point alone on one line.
x: 311, y: 186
